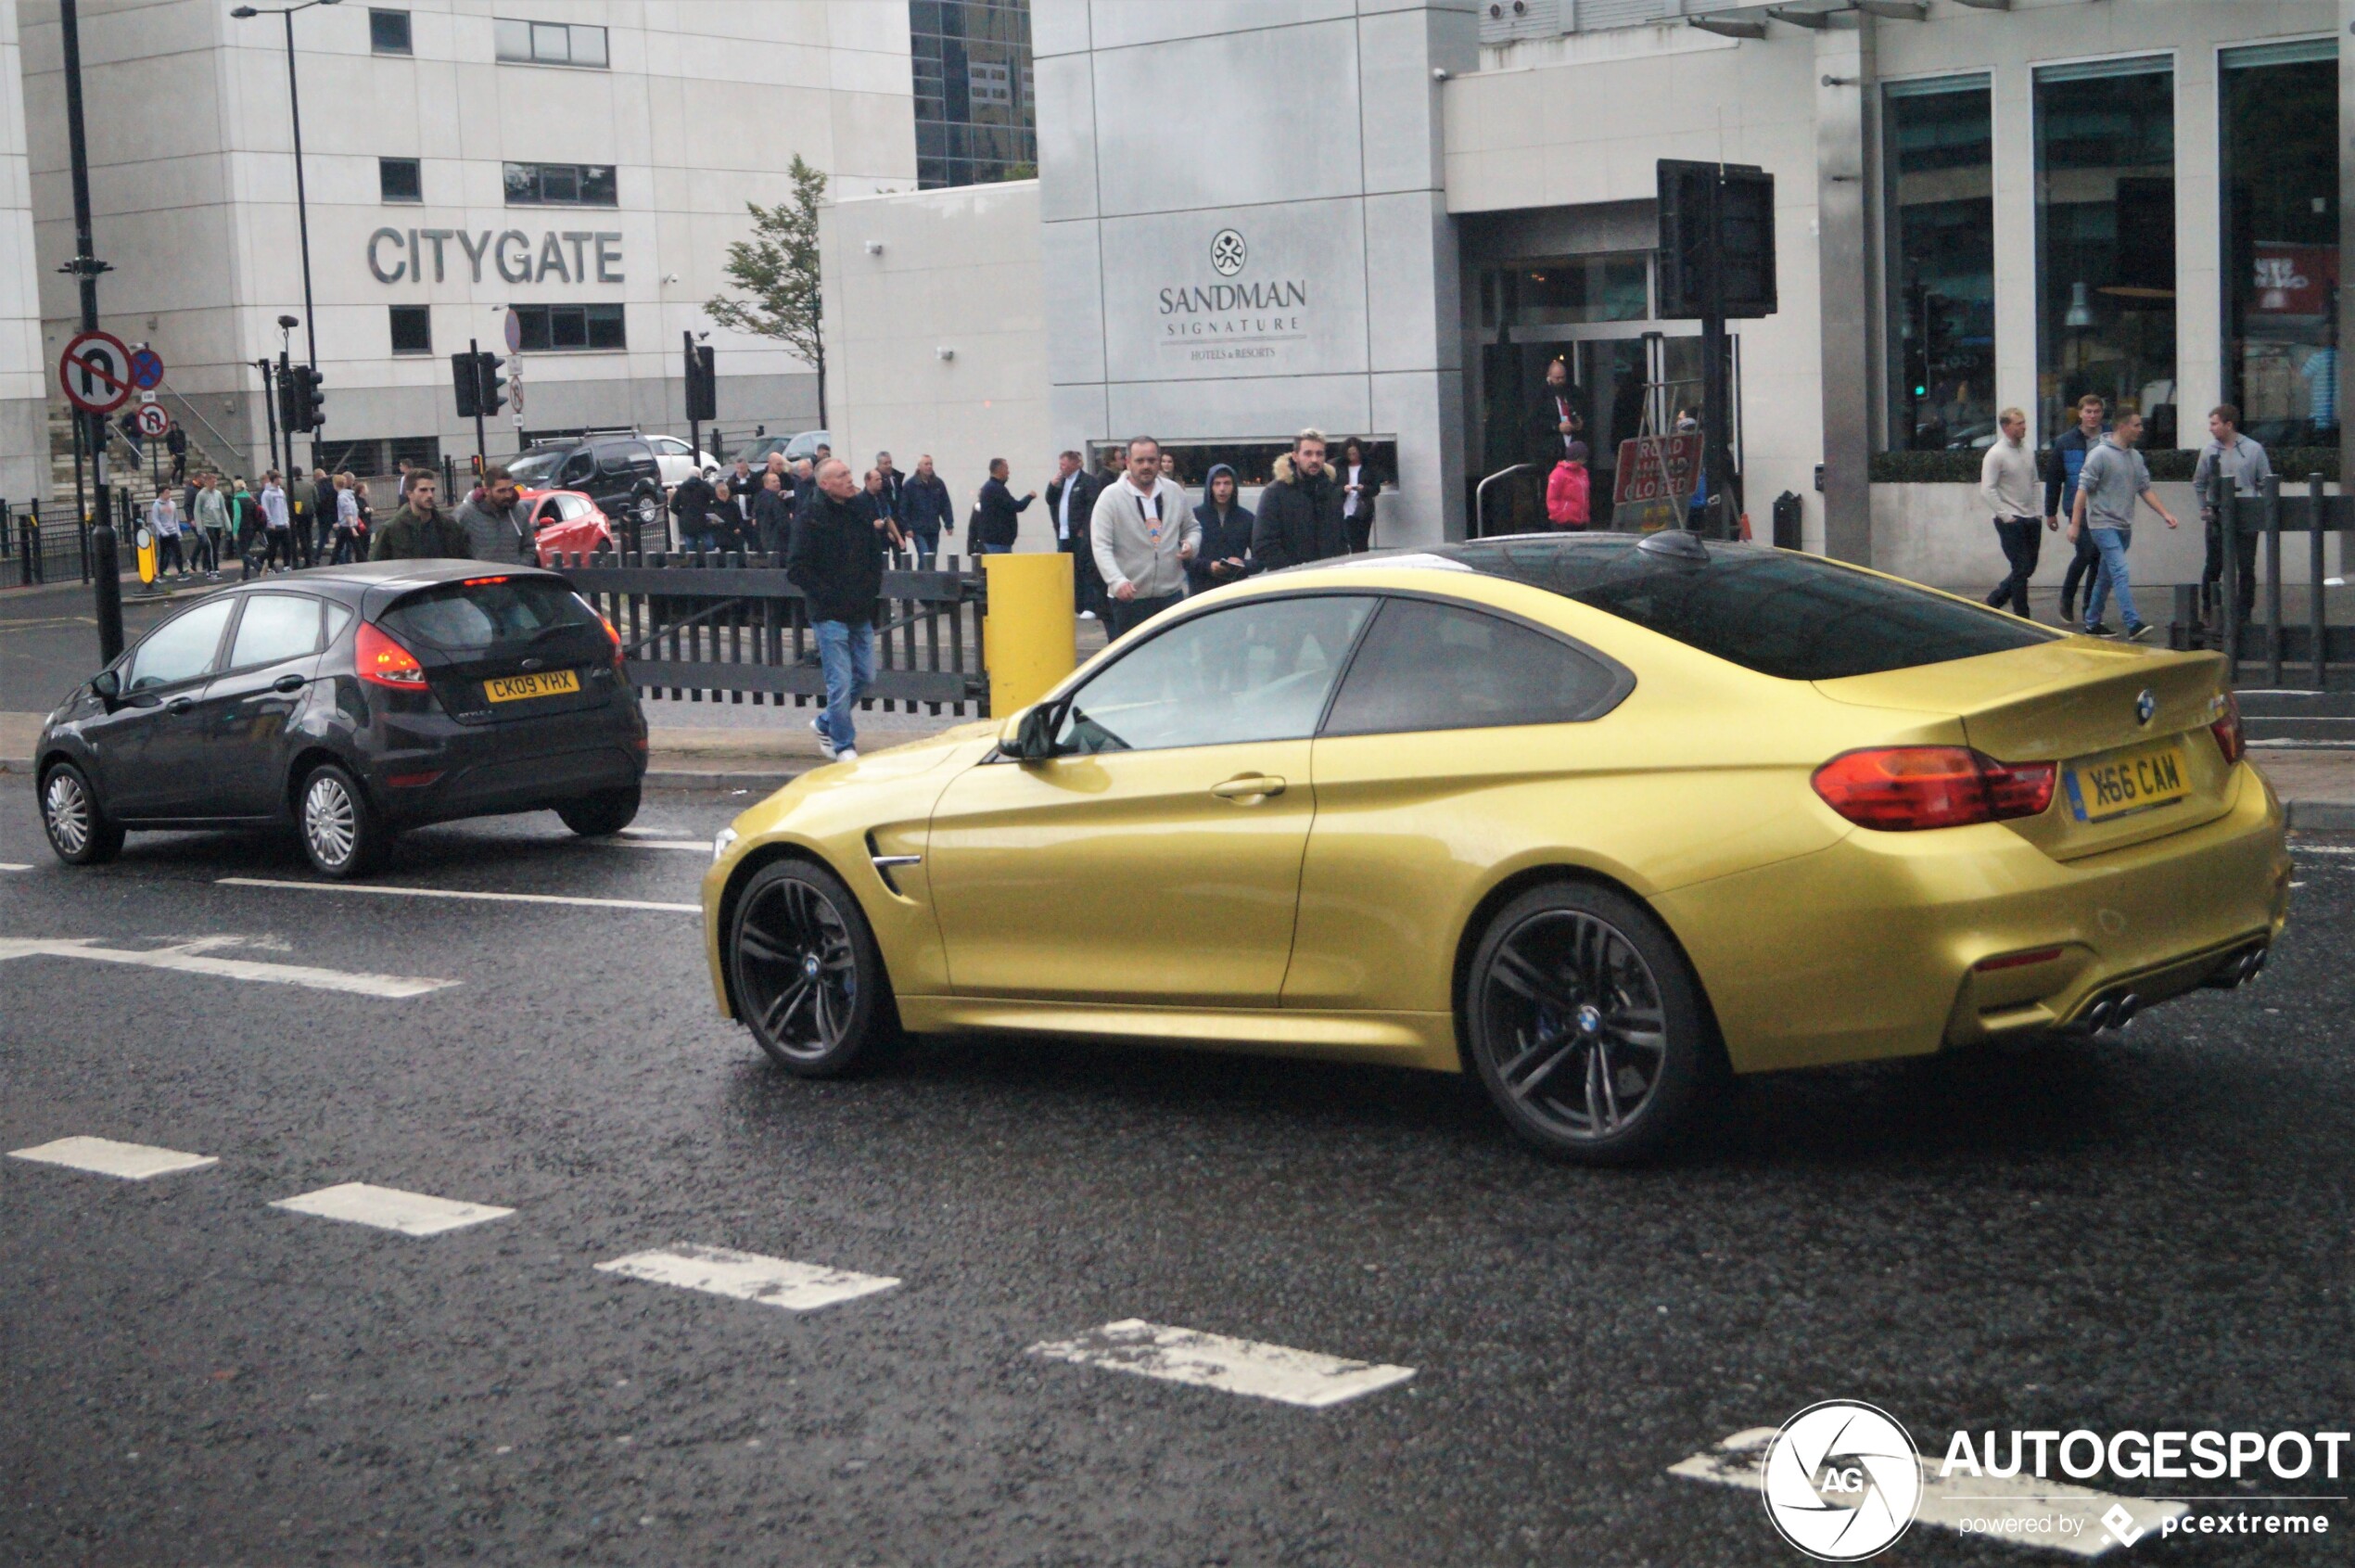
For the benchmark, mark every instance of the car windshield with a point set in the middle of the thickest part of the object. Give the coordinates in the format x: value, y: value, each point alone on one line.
x: 1799, y: 618
x: 487, y: 613
x: 534, y: 468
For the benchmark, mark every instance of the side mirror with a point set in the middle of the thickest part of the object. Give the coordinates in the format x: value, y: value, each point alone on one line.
x: 107, y: 684
x: 1029, y: 736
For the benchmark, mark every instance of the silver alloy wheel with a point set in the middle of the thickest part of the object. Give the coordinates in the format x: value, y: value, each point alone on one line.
x: 1575, y: 1024
x: 330, y: 822
x: 65, y: 808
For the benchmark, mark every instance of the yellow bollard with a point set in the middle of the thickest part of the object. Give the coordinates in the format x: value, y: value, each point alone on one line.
x: 147, y: 541
x: 1029, y: 639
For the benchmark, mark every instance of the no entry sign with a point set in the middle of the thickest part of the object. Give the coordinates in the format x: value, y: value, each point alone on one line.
x: 95, y: 372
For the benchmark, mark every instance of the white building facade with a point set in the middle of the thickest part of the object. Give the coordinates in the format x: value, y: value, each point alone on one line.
x: 1384, y: 218
x: 24, y: 435
x: 585, y: 162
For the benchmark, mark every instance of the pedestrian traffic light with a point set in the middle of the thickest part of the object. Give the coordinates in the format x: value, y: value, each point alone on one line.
x: 490, y: 391
x: 703, y: 385
x: 465, y: 379
x: 310, y: 400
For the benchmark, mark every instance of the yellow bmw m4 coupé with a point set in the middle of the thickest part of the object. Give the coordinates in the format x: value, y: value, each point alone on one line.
x: 1594, y: 817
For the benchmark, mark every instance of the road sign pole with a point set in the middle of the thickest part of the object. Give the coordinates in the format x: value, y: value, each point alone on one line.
x: 1715, y: 425
x: 482, y: 445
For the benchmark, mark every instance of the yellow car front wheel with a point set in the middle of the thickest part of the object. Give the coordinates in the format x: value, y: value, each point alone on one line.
x: 1586, y: 1024
x: 808, y: 979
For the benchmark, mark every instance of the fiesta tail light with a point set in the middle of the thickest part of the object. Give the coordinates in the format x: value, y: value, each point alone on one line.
x: 615, y: 633
x: 1907, y: 788
x: 384, y: 662
x: 2227, y: 731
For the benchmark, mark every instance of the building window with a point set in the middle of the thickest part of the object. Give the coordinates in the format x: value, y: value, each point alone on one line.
x: 558, y: 328
x: 976, y: 120
x: 2106, y: 241
x: 550, y: 42
x: 1575, y: 291
x: 1940, y: 162
x: 411, y: 329
x: 388, y: 33
x: 399, y: 179
x: 2278, y: 108
x: 561, y: 185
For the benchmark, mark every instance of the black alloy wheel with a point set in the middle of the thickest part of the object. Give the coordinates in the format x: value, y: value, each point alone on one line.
x: 78, y: 826
x: 1586, y: 1024
x: 808, y: 978
x: 603, y: 814
x: 343, y: 833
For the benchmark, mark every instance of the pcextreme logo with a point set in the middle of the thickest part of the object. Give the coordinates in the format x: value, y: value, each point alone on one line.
x: 1842, y: 1480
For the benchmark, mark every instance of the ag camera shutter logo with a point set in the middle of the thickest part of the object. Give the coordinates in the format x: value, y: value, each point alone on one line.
x: 1227, y: 252
x: 1842, y: 1480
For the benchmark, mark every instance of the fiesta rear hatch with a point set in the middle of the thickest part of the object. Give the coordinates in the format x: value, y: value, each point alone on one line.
x: 505, y: 647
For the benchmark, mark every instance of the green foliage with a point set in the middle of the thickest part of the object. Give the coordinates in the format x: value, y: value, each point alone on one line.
x: 778, y: 272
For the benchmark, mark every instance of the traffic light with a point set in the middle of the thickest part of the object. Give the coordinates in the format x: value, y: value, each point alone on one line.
x: 301, y: 406
x: 703, y: 385
x: 1720, y: 214
x: 466, y: 380
x: 489, y: 390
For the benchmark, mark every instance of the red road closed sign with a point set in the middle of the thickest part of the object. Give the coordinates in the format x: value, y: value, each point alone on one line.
x: 1656, y: 468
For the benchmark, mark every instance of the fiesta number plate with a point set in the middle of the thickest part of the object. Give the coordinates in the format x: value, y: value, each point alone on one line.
x: 2123, y: 781
x: 515, y: 688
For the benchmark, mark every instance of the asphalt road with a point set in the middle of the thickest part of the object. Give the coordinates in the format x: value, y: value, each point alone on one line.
x: 2140, y: 1234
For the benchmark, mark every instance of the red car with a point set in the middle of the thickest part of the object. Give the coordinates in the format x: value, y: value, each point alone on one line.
x: 566, y: 522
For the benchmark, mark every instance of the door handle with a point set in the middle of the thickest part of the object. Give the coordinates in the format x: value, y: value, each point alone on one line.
x: 1250, y: 786
x: 180, y: 705
x: 289, y: 683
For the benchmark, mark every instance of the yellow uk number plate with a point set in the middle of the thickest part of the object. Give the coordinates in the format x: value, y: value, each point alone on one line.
x: 2121, y: 782
x: 515, y: 688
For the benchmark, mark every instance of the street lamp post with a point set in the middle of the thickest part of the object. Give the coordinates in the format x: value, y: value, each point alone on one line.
x: 302, y: 204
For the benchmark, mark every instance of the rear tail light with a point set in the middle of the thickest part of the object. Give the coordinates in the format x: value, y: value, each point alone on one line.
x: 615, y: 633
x: 384, y: 662
x: 2227, y: 731
x: 1904, y: 788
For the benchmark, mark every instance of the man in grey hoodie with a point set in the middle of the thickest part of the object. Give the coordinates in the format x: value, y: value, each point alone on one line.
x: 493, y: 517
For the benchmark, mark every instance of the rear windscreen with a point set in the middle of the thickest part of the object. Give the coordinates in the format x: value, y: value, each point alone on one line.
x: 466, y: 618
x: 1799, y: 618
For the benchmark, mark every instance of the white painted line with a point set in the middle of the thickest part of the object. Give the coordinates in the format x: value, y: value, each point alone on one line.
x: 2019, y: 1511
x: 2302, y: 746
x: 1238, y: 1366
x: 797, y: 1287
x: 9, y: 866
x: 132, y: 1162
x: 2322, y: 849
x: 193, y: 957
x: 388, y: 1208
x: 455, y: 893
x: 691, y: 846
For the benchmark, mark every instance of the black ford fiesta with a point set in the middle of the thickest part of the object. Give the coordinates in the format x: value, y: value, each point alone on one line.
x: 352, y: 702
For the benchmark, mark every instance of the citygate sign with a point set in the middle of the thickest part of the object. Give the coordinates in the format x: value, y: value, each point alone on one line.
x: 563, y: 256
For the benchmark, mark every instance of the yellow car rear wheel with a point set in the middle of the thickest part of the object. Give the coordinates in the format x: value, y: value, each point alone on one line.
x: 1586, y: 1024
x: 809, y: 980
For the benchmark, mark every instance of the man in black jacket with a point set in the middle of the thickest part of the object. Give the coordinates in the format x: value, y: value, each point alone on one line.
x: 836, y: 561
x: 1553, y: 421
x: 999, y: 520
x: 772, y: 516
x: 1300, y: 513
x: 925, y: 511
x: 1071, y: 496
x: 893, y: 482
x: 691, y: 502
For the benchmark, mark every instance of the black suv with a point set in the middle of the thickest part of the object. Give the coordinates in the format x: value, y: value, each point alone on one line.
x: 620, y: 473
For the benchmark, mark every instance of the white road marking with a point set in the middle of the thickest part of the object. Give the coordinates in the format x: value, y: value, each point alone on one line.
x: 692, y: 845
x: 2019, y: 1511
x: 2322, y: 849
x: 1238, y: 1366
x: 388, y: 1208
x: 2302, y: 746
x: 9, y: 866
x: 132, y: 1162
x: 193, y: 957
x: 777, y: 1281
x: 457, y: 893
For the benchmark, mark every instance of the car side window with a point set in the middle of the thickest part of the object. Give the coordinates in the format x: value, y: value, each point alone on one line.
x: 1428, y: 666
x: 275, y: 627
x: 571, y: 507
x: 577, y: 468
x: 672, y: 447
x: 1259, y: 671
x: 182, y: 648
x: 338, y: 618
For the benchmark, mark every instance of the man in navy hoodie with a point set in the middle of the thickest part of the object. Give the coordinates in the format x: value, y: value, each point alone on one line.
x: 2063, y: 463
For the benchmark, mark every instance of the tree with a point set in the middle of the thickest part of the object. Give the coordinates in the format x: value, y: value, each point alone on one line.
x: 778, y: 269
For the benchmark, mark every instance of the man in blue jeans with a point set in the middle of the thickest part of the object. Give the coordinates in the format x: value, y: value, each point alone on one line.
x: 2113, y: 478
x: 838, y: 561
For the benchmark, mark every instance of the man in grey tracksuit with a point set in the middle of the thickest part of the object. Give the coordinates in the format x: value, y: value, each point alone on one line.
x: 1142, y: 534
